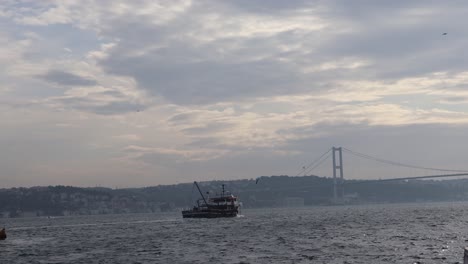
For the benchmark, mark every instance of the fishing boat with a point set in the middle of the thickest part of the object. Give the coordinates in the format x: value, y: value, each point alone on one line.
x: 221, y: 205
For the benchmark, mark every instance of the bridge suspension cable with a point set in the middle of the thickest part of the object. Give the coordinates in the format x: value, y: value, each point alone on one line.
x: 314, y: 164
x: 394, y: 163
x: 407, y: 178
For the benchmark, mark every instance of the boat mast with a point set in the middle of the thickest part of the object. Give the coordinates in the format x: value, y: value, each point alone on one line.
x: 196, y: 184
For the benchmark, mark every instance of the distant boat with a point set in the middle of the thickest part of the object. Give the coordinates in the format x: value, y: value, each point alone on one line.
x: 221, y: 205
x: 3, y: 235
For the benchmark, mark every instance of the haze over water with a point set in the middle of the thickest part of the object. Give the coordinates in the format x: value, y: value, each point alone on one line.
x: 399, y: 233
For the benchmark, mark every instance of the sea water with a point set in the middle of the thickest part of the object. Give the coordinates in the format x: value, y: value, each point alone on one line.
x: 402, y: 233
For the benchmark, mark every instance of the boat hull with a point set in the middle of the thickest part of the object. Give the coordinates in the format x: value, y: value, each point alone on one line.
x: 208, y: 214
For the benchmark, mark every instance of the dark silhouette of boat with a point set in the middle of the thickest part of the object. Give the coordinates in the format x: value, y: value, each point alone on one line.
x: 3, y: 235
x: 222, y: 205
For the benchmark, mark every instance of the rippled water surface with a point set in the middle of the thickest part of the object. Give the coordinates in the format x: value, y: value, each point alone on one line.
x: 411, y: 233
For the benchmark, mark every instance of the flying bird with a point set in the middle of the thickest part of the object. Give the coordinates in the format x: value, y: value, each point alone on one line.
x: 445, y: 33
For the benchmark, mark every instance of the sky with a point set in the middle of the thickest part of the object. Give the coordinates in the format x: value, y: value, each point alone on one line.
x: 138, y: 93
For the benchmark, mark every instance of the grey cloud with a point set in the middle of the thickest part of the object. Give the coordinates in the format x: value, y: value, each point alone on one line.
x: 118, y: 108
x: 112, y: 93
x: 185, y: 72
x: 101, y: 108
x: 396, y: 54
x: 408, y: 141
x: 182, y: 118
x: 356, y: 9
x: 390, y: 12
x: 208, y: 128
x: 65, y: 78
x: 192, y: 73
x: 455, y: 99
x: 206, y: 82
x: 206, y: 142
x: 320, y: 129
x: 217, y: 144
x: 399, y: 37
x: 268, y: 7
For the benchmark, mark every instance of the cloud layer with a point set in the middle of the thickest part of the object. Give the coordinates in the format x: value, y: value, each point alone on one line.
x: 133, y: 93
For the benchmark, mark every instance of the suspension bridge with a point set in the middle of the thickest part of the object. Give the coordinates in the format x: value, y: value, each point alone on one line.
x: 339, y: 182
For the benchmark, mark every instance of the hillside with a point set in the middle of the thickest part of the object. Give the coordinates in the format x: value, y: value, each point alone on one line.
x: 273, y: 191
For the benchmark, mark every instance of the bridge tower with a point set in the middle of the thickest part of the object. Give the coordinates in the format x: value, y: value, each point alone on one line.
x: 338, y: 190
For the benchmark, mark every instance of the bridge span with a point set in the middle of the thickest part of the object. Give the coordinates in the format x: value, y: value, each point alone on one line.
x: 339, y: 181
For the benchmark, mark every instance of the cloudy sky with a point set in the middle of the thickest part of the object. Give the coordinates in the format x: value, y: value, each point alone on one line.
x: 134, y: 93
